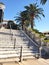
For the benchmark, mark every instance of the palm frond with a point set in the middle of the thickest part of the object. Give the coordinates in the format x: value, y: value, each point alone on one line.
x: 38, y: 17
x: 26, y: 7
x: 43, y: 2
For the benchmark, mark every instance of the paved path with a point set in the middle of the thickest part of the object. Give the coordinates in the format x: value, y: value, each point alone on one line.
x: 35, y: 62
x: 30, y: 62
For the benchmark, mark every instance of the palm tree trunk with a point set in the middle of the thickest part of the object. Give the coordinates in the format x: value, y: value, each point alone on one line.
x: 32, y: 24
x: 22, y: 26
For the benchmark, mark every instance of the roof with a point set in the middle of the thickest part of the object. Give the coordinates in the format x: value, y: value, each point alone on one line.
x: 2, y: 3
x: 45, y: 32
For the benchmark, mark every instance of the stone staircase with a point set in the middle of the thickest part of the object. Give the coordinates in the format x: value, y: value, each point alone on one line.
x: 11, y: 43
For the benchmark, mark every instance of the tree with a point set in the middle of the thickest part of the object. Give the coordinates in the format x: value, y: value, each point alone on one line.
x: 22, y: 18
x: 12, y: 25
x: 43, y: 2
x: 33, y: 11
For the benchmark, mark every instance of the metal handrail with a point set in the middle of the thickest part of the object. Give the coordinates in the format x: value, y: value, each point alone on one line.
x: 30, y: 38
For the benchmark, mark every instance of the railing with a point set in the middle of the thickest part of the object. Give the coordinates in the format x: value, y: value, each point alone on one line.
x: 42, y: 45
x: 32, y: 35
x: 5, y: 37
x: 17, y: 53
x: 38, y: 54
x: 36, y: 40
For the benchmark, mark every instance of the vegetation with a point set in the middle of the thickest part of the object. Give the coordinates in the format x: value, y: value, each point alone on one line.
x: 22, y: 18
x: 46, y: 40
x: 37, y: 32
x: 43, y: 2
x: 28, y: 16
x: 12, y: 25
x: 33, y: 11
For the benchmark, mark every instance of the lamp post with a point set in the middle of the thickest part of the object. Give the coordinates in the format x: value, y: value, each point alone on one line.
x: 2, y: 7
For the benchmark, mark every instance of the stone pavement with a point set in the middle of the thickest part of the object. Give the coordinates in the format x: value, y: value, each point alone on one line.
x: 35, y: 62
x: 30, y: 62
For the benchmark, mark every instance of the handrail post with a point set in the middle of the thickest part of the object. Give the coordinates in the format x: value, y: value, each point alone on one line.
x: 40, y: 51
x: 28, y: 43
x: 1, y: 63
x: 14, y: 42
x: 20, y: 54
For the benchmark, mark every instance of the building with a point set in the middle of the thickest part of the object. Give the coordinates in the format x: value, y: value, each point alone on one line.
x: 46, y: 33
x: 3, y: 23
x: 2, y: 7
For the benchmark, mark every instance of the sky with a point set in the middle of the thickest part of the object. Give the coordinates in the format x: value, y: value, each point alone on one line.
x: 13, y: 7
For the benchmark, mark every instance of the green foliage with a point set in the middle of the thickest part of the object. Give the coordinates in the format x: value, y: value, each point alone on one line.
x: 43, y: 2
x: 22, y: 18
x: 42, y: 36
x: 37, y: 32
x: 45, y: 40
x: 33, y: 11
x: 28, y: 16
x: 12, y: 24
x: 2, y: 3
x: 34, y: 30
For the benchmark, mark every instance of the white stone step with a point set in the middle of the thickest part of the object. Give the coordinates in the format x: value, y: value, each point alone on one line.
x: 28, y: 57
x: 9, y: 56
x: 7, y: 52
x: 9, y: 59
x: 7, y: 46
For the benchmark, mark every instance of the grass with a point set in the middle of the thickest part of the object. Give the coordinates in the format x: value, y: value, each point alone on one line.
x: 39, y: 34
x: 35, y: 31
x: 46, y: 40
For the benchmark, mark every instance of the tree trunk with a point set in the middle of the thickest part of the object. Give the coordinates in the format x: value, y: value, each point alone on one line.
x: 22, y: 27
x: 32, y: 24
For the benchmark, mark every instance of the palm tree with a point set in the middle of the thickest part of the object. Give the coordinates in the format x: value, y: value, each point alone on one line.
x: 43, y: 2
x: 33, y: 11
x: 21, y: 18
